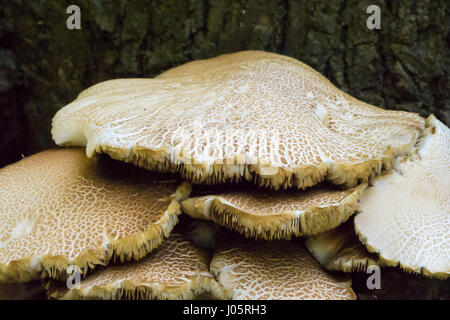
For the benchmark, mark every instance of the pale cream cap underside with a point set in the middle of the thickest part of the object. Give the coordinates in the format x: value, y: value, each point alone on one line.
x: 274, y: 270
x: 251, y: 115
x: 176, y: 270
x: 340, y: 250
x: 405, y: 216
x: 264, y: 214
x: 60, y: 208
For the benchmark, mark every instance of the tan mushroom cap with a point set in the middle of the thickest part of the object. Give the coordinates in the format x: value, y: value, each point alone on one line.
x: 274, y: 270
x: 265, y: 214
x: 405, y: 216
x: 251, y: 115
x: 60, y: 208
x: 176, y: 270
x: 340, y: 250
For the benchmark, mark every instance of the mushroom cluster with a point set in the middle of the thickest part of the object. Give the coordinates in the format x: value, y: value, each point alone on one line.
x: 278, y: 174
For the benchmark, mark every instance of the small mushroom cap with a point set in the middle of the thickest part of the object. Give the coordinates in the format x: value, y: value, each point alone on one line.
x: 60, y: 208
x: 405, y: 216
x: 269, y: 215
x: 176, y: 270
x: 274, y: 270
x: 340, y: 250
x: 256, y: 116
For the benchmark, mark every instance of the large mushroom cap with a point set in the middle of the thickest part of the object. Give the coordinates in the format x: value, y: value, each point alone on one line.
x: 340, y: 250
x: 269, y: 215
x: 273, y: 270
x: 60, y: 208
x: 176, y: 270
x: 405, y: 216
x: 250, y: 115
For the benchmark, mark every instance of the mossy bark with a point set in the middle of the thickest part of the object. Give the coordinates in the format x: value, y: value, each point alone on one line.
x: 43, y: 65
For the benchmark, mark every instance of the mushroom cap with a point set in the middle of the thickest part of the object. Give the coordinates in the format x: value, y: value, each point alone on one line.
x: 251, y: 115
x: 405, y: 216
x: 340, y: 250
x: 60, y: 208
x: 274, y: 270
x: 264, y: 214
x: 176, y: 270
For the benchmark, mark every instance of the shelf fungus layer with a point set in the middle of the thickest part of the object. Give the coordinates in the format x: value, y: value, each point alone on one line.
x: 265, y: 214
x: 60, y: 209
x: 405, y: 216
x: 256, y: 116
x: 274, y: 270
x: 340, y: 250
x: 175, y: 270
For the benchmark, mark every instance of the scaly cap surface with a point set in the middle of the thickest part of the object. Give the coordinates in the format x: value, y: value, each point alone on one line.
x: 176, y: 270
x: 405, y: 216
x: 251, y: 115
x: 273, y: 270
x: 60, y: 208
x: 269, y: 215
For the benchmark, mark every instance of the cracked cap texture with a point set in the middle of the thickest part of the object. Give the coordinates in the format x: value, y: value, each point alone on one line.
x: 405, y: 216
x: 274, y: 270
x: 176, y: 270
x: 60, y: 208
x: 265, y: 214
x: 251, y: 115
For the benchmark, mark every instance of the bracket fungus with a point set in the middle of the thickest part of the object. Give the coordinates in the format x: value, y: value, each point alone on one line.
x: 251, y: 115
x: 264, y: 214
x: 274, y: 270
x: 405, y: 216
x: 176, y: 270
x: 60, y: 208
x: 340, y: 250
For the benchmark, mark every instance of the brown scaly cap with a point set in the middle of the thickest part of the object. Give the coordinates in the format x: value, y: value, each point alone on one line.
x: 60, y: 208
x: 256, y: 116
x: 405, y: 215
x: 266, y: 270
x: 265, y: 214
x: 176, y: 270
